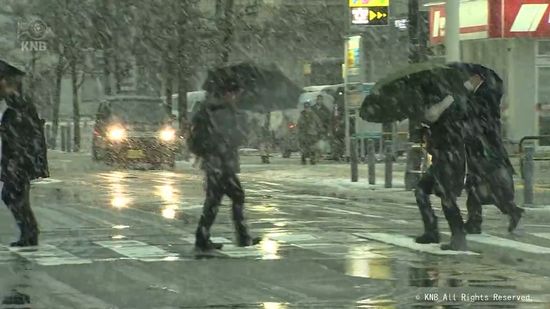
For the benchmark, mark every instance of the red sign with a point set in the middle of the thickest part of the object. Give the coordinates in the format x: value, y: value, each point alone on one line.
x: 495, y: 19
x: 524, y: 18
x: 473, y: 21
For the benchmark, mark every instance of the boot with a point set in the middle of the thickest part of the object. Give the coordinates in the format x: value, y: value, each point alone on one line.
x: 456, y: 225
x: 203, y: 242
x: 241, y: 230
x: 28, y: 226
x: 458, y: 242
x: 475, y: 214
x: 202, y: 235
x: 472, y: 227
x: 431, y: 230
x: 515, y: 217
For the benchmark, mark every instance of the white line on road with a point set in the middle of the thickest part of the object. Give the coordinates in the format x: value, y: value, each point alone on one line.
x: 291, y: 238
x: 409, y: 243
x: 138, y: 250
x: 48, y: 255
x: 487, y: 239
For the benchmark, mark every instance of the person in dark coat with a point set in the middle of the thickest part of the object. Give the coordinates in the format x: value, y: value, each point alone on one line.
x: 310, y: 127
x: 217, y: 131
x: 445, y: 176
x: 23, y: 153
x: 490, y: 172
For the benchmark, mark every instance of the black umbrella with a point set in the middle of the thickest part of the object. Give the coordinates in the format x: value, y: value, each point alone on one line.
x: 7, y: 69
x: 407, y: 93
x: 264, y: 89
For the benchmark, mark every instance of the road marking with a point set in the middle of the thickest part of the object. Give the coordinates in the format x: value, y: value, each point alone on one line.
x: 487, y: 239
x: 350, y: 252
x: 48, y: 255
x: 218, y: 240
x: 45, y: 181
x: 138, y: 250
x: 542, y: 235
x: 239, y: 252
x: 409, y: 243
x: 291, y: 238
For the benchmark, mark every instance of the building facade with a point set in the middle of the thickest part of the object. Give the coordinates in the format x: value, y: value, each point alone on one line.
x: 513, y: 38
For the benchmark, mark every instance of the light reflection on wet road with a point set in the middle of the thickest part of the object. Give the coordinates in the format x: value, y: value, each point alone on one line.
x: 136, y: 230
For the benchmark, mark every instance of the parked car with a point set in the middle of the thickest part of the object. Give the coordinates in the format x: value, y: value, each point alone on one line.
x: 134, y: 129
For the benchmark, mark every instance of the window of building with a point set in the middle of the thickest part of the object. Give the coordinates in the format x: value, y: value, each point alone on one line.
x: 544, y: 48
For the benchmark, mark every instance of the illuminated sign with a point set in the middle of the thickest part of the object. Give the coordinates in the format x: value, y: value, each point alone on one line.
x: 375, y: 16
x: 368, y: 3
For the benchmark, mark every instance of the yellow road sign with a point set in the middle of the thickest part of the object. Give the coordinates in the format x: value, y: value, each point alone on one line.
x: 368, y: 3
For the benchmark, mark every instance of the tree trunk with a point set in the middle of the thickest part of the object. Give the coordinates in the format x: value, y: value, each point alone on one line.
x: 227, y: 31
x: 56, y: 101
x: 168, y: 85
x: 76, y: 107
x: 107, y: 73
x: 183, y: 82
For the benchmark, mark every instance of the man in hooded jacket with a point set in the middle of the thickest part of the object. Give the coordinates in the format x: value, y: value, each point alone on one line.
x: 217, y: 131
x: 23, y: 153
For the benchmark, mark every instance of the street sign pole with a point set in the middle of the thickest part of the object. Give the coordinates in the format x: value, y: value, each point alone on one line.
x: 361, y: 13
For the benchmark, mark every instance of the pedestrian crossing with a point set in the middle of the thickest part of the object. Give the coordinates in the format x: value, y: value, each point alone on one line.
x: 277, y: 245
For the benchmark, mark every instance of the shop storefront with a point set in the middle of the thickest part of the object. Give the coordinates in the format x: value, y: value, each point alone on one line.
x: 513, y: 38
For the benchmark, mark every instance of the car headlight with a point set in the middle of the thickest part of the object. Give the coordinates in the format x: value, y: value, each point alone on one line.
x: 167, y: 135
x: 116, y: 134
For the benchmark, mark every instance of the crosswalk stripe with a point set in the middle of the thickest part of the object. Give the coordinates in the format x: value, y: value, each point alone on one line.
x: 291, y: 238
x: 409, y: 243
x: 138, y: 250
x: 48, y: 255
x: 487, y: 239
x: 354, y: 252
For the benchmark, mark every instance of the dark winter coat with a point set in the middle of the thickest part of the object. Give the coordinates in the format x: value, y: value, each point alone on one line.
x: 483, y: 139
x: 310, y: 127
x: 24, y: 151
x: 445, y: 142
x: 217, y: 132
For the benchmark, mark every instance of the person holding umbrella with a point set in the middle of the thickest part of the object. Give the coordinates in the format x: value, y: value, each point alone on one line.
x: 217, y: 131
x: 23, y: 154
x: 445, y: 177
x: 490, y: 172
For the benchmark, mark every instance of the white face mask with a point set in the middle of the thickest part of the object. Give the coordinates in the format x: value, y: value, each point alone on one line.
x: 468, y: 85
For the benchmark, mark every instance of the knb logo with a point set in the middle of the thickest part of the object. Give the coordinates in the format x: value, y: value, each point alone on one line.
x: 32, y: 35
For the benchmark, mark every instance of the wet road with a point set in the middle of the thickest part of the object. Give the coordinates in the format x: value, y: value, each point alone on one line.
x: 124, y: 239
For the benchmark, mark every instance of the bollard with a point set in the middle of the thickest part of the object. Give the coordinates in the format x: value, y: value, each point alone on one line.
x: 389, y: 163
x: 353, y: 161
x: 362, y: 149
x: 528, y: 175
x: 48, y: 134
x: 63, y: 138
x: 68, y: 135
x: 371, y: 160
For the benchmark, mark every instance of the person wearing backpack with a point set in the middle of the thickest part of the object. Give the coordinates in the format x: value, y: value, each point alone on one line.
x: 217, y: 131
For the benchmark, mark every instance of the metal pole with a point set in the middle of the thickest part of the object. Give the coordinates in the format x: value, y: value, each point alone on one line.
x: 353, y: 161
x: 452, y: 30
x: 417, y: 54
x: 68, y: 135
x: 371, y: 158
x: 63, y: 138
x: 389, y: 163
x: 528, y: 175
x: 48, y: 133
